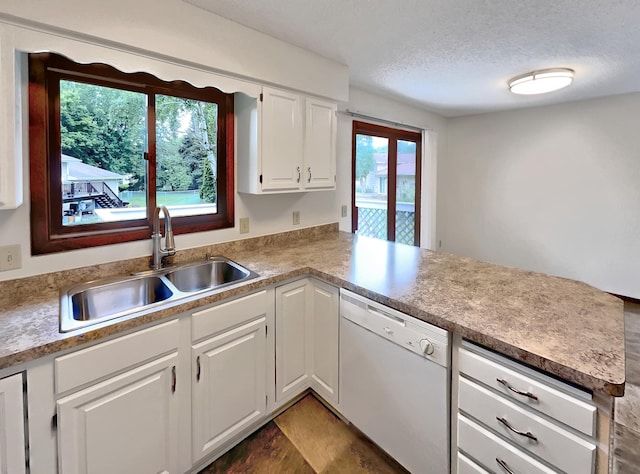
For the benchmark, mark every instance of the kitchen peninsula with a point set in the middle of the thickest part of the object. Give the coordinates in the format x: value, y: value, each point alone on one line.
x: 561, y: 327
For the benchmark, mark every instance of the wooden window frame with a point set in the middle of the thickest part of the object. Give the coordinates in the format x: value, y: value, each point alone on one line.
x: 48, y: 234
x: 393, y: 135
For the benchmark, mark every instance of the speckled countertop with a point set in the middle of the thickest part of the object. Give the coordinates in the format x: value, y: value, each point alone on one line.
x: 561, y: 326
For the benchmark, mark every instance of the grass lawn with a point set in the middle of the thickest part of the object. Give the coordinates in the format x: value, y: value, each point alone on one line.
x: 167, y: 198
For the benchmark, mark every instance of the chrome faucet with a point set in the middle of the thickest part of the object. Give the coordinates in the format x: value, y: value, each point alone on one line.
x: 169, y: 244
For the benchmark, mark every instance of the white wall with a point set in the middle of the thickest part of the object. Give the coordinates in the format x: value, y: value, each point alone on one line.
x: 157, y: 32
x: 553, y: 189
x: 381, y: 107
x: 175, y: 29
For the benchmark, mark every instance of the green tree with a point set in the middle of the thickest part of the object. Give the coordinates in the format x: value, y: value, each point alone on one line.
x: 365, y: 163
x: 193, y: 155
x: 104, y: 127
x: 209, y: 189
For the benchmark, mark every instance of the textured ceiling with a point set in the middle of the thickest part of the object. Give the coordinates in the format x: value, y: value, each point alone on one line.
x: 455, y: 57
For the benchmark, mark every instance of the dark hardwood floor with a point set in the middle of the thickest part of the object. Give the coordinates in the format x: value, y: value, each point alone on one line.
x: 307, y: 438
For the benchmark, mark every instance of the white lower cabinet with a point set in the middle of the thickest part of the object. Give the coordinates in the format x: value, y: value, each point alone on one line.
x: 307, y: 322
x: 127, y: 423
x: 511, y: 418
x: 12, y: 420
x: 293, y: 361
x: 228, y: 371
x: 324, y: 325
x: 121, y: 413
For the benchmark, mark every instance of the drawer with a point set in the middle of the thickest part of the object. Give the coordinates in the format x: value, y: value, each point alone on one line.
x: 222, y: 317
x: 554, y: 399
x: 467, y: 466
x: 554, y: 443
x: 114, y: 356
x: 490, y: 450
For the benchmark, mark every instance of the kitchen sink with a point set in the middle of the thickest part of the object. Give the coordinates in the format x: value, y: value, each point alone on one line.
x: 116, y: 297
x: 212, y: 273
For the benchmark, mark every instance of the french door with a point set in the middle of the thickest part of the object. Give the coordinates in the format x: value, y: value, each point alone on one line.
x: 386, y: 183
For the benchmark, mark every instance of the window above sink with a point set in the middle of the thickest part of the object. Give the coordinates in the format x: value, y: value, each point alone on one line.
x: 107, y: 147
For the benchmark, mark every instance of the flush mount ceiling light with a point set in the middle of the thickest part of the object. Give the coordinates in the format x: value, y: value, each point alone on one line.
x: 540, y: 82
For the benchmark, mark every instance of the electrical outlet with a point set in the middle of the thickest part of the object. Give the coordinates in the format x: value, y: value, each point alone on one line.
x: 344, y: 210
x: 296, y: 217
x: 244, y: 225
x: 10, y: 257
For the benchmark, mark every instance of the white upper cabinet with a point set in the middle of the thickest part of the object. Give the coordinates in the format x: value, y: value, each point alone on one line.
x: 320, y: 144
x: 11, y: 193
x: 286, y: 142
x: 281, y: 140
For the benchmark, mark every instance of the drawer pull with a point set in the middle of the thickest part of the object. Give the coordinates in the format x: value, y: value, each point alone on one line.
x: 504, y: 466
x: 528, y: 434
x: 198, y: 369
x: 515, y: 390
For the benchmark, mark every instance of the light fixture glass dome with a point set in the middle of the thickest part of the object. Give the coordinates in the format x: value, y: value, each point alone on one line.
x: 540, y: 82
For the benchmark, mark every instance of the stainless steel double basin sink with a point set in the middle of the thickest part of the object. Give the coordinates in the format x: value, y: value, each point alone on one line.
x: 102, y: 300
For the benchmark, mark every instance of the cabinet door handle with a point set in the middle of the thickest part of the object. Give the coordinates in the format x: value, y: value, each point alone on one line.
x: 309, y: 180
x: 504, y: 466
x: 198, y: 369
x: 298, y: 174
x: 174, y: 380
x: 515, y: 390
x: 528, y: 434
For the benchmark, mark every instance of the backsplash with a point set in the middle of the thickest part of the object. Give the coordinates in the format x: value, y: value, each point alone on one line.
x: 12, y: 291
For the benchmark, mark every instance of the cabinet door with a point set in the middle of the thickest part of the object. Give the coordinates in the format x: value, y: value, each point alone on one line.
x: 325, y: 323
x: 293, y: 362
x: 127, y: 423
x: 229, y: 392
x: 281, y: 140
x: 320, y: 144
x: 12, y: 442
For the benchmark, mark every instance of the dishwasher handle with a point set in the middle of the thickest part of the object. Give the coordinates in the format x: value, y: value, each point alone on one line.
x: 382, y: 314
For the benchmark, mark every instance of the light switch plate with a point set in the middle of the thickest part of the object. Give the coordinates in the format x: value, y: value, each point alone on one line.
x: 296, y: 217
x: 344, y: 210
x: 244, y: 225
x: 10, y: 257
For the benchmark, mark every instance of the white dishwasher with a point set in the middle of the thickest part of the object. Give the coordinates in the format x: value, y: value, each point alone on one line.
x: 394, y: 382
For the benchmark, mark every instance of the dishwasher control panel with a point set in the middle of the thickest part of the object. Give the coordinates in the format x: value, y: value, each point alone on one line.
x: 422, y: 338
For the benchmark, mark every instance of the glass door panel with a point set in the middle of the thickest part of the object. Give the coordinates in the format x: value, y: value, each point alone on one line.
x: 371, y: 185
x: 406, y: 192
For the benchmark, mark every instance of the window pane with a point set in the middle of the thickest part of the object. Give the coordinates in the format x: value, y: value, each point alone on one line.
x: 371, y: 182
x: 406, y: 192
x: 102, y: 133
x: 186, y: 153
